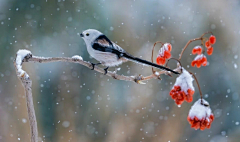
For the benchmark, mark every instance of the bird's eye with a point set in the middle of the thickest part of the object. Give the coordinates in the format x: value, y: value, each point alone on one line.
x: 87, y: 34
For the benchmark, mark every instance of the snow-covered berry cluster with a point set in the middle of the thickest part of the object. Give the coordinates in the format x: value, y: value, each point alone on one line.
x: 164, y: 53
x: 197, y: 50
x: 200, y: 115
x: 201, y: 59
x: 183, y: 88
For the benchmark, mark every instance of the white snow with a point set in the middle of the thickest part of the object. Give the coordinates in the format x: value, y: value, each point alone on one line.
x: 198, y: 46
x: 77, y: 57
x: 199, y: 57
x: 21, y: 54
x: 185, y: 81
x: 157, y: 73
x: 200, y: 110
x: 163, y: 49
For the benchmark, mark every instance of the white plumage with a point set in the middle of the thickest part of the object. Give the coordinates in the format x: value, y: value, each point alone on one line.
x: 108, y: 53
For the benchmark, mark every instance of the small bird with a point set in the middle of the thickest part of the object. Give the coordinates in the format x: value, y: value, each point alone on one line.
x: 110, y: 54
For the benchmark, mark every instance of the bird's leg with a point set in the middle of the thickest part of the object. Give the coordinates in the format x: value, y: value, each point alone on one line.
x: 93, y: 65
x: 106, y: 70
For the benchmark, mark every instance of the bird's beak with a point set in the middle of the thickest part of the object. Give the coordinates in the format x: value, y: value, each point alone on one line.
x: 81, y: 35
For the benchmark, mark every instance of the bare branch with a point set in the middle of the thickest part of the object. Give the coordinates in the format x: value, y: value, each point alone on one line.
x: 26, y: 56
x: 114, y: 75
x: 27, y: 84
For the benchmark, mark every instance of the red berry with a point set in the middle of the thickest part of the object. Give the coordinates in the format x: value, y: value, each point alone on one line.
x: 169, y: 47
x: 212, y: 39
x: 193, y: 63
x: 198, y: 63
x: 197, y: 50
x: 207, y: 44
x: 204, y: 61
x: 210, y: 50
x: 160, y: 60
x: 167, y: 54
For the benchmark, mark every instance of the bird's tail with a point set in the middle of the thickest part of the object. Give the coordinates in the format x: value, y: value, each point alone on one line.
x: 135, y: 59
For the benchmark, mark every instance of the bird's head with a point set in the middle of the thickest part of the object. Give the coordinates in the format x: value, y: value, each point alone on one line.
x: 90, y: 35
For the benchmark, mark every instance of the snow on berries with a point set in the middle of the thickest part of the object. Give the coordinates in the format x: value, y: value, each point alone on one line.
x: 197, y: 50
x: 183, y: 88
x: 199, y: 60
x: 164, y: 53
x: 200, y: 115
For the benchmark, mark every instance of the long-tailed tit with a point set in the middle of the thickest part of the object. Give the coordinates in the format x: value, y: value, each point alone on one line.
x: 110, y: 54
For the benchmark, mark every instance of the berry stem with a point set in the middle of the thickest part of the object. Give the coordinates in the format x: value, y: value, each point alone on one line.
x: 200, y: 38
x: 175, y: 60
x: 206, y: 33
x: 153, y: 71
x: 185, y: 47
x: 200, y: 92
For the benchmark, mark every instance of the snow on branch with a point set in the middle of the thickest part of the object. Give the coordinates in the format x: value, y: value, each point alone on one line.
x: 26, y: 56
x: 27, y: 84
x: 79, y: 60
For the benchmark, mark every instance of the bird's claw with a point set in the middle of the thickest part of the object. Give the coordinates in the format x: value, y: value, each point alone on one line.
x: 93, y: 65
x: 106, y: 70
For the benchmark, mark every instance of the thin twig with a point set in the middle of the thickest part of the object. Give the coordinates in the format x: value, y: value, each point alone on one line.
x: 200, y: 38
x: 185, y: 47
x: 153, y: 71
x: 175, y: 60
x: 200, y: 92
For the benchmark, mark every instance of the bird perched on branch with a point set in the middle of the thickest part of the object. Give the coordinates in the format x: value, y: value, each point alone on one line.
x: 110, y: 54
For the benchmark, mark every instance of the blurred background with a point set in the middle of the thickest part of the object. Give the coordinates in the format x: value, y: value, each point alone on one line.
x: 76, y: 104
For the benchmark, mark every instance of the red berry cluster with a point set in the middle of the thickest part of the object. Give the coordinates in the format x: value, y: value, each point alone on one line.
x: 183, y: 88
x: 199, y: 60
x: 197, y: 50
x: 200, y: 115
x: 164, y: 53
x: 209, y: 43
x: 200, y: 123
x: 179, y: 95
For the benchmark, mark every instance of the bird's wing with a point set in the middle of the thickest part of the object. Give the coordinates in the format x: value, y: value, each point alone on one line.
x: 102, y: 43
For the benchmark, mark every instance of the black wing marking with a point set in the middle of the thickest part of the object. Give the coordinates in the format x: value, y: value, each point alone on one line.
x: 103, y: 40
x: 99, y: 47
x: 103, y: 44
